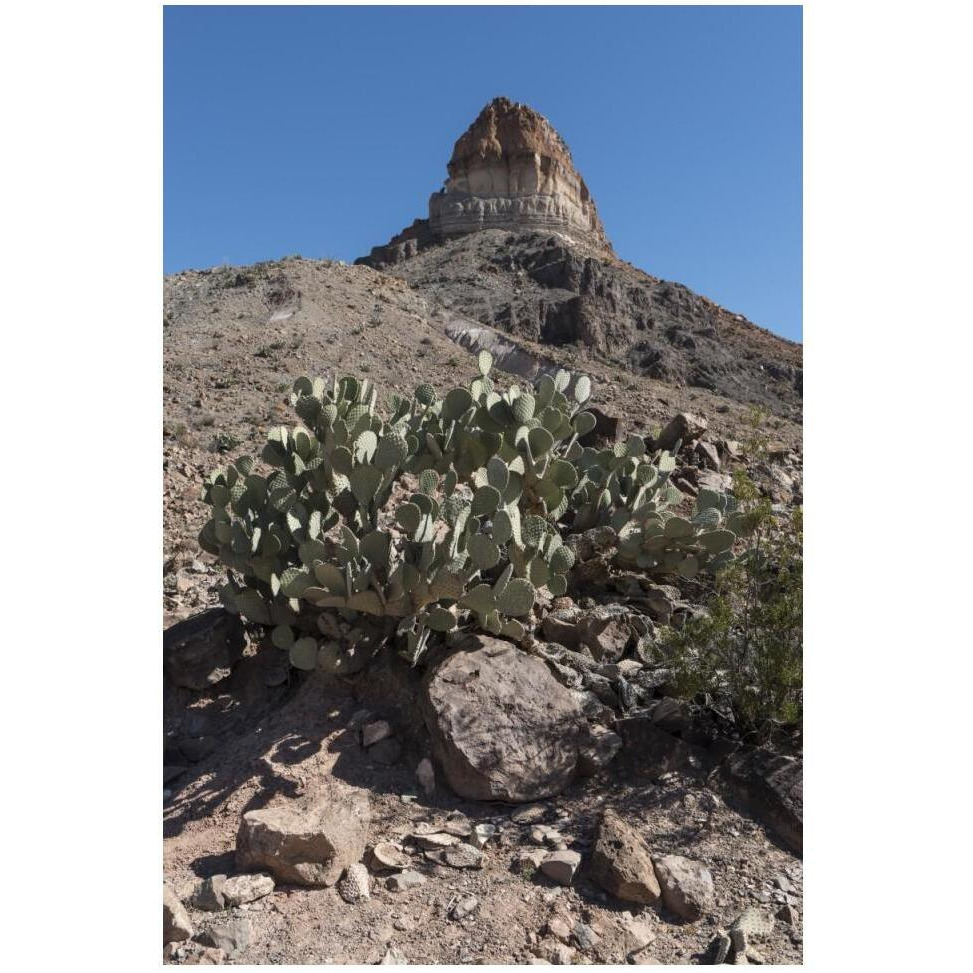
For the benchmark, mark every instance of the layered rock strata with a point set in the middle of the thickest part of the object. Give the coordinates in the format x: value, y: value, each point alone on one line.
x: 510, y: 169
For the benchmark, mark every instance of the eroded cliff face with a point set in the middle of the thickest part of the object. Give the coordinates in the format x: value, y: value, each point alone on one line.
x: 509, y: 170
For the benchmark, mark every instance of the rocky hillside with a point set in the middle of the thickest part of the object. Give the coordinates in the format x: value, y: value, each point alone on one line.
x: 560, y: 799
x: 556, y: 280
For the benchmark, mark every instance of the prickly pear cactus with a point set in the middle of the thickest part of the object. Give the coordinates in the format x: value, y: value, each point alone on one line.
x: 329, y: 524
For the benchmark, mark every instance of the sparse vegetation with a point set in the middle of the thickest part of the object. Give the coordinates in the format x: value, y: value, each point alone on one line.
x: 746, y: 652
x: 225, y: 441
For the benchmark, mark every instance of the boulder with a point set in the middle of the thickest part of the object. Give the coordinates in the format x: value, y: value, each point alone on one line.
x: 681, y: 427
x: 771, y: 787
x: 687, y: 887
x: 201, y: 651
x: 310, y: 843
x: 606, y: 631
x: 649, y: 751
x: 176, y: 925
x: 621, y: 863
x: 502, y: 727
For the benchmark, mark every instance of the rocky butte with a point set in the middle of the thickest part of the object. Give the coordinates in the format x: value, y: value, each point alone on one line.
x: 513, y: 242
x: 509, y: 169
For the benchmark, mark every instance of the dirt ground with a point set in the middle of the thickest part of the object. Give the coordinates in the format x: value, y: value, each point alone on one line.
x: 314, y: 734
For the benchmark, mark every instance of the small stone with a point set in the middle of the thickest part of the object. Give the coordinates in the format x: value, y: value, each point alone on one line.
x: 404, y: 881
x: 463, y: 856
x: 458, y: 824
x: 464, y: 906
x: 386, y: 856
x: 718, y: 949
x: 560, y: 929
x: 684, y: 426
x: 426, y: 775
x: 637, y: 934
x: 562, y: 955
x: 585, y: 936
x: 386, y: 752
x: 787, y: 914
x: 372, y: 733
x: 560, y: 866
x: 208, y: 896
x: 232, y: 937
x: 402, y: 925
x: 246, y: 888
x: 437, y: 840
x: 783, y: 883
x: 176, y: 925
x: 482, y: 833
x: 354, y: 886
x: 393, y: 957
x: 531, y: 858
x: 530, y: 814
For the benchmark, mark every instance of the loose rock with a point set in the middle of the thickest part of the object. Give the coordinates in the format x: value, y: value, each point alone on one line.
x: 208, y: 896
x: 463, y: 856
x: 621, y: 863
x: 306, y: 844
x: 464, y: 906
x: 232, y: 937
x: 176, y: 924
x: 404, y: 881
x: 687, y: 886
x: 560, y: 866
x: 426, y: 775
x: 246, y: 888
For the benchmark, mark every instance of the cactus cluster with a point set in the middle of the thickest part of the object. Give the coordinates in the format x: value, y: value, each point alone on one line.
x: 447, y: 511
x: 624, y: 487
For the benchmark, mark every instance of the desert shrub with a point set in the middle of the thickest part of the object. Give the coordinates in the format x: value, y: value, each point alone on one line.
x: 745, y: 651
x: 444, y: 513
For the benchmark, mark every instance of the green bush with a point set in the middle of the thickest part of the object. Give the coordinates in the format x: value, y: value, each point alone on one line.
x: 446, y: 512
x: 746, y: 651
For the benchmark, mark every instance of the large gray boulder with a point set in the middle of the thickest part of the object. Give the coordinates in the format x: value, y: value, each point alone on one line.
x: 308, y: 843
x: 502, y: 727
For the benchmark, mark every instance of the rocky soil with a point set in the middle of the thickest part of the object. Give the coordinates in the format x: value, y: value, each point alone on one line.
x: 444, y: 879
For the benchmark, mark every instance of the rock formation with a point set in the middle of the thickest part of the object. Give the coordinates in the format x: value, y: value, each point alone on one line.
x: 510, y: 169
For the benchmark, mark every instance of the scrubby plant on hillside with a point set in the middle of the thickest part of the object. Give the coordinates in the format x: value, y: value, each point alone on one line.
x: 746, y: 651
x: 445, y: 512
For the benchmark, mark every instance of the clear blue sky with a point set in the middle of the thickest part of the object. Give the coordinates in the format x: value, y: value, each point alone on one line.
x: 323, y: 130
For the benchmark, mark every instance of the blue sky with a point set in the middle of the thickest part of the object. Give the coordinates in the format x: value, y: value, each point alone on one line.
x: 323, y: 130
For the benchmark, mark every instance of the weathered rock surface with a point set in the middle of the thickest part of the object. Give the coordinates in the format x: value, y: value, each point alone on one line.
x: 176, y: 924
x: 621, y: 863
x: 560, y: 866
x: 200, y: 651
x: 502, y: 727
x: 771, y: 786
x: 246, y: 888
x: 232, y: 937
x: 509, y: 169
x: 310, y: 843
x: 687, y: 887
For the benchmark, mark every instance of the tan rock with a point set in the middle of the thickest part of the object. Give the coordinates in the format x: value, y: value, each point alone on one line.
x: 309, y: 843
x: 621, y: 863
x: 176, y: 924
